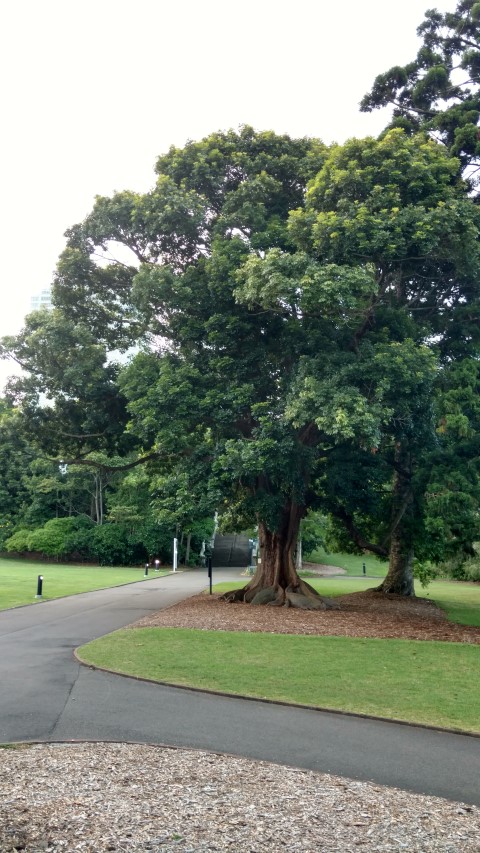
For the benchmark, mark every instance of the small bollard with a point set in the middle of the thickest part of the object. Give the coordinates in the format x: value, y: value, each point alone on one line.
x: 157, y: 565
x: 146, y: 571
x: 364, y: 569
x: 39, y: 586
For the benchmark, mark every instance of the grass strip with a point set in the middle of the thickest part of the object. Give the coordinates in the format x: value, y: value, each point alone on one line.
x: 421, y: 682
x: 352, y: 563
x: 18, y: 580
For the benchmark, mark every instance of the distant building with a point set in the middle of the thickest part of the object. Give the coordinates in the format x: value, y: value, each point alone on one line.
x: 41, y: 300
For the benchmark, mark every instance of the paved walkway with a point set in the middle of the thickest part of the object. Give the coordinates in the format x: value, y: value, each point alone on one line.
x: 46, y: 695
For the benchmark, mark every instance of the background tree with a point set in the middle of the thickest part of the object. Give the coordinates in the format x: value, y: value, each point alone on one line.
x: 439, y: 91
x: 16, y: 456
x: 68, y: 391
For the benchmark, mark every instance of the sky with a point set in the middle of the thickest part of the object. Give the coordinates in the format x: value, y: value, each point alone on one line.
x: 93, y: 91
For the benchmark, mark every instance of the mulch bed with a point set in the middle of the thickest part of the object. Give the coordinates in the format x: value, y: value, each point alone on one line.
x: 362, y: 614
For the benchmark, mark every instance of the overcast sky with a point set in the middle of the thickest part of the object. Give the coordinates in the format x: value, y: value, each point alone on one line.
x: 93, y: 91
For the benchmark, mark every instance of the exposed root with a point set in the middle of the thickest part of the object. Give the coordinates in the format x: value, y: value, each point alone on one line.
x: 234, y: 595
x: 405, y: 589
x: 269, y: 595
x: 304, y: 602
x: 302, y: 596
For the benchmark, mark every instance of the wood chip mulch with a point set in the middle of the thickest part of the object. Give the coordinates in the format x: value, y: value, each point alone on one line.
x: 136, y: 798
x: 362, y: 614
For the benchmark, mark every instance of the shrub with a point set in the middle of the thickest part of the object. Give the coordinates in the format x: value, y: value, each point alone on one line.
x: 471, y: 569
x: 463, y: 568
x: 60, y: 537
x: 114, y: 544
x: 18, y: 541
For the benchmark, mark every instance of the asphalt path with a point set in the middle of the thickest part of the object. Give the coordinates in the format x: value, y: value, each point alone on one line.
x: 46, y: 695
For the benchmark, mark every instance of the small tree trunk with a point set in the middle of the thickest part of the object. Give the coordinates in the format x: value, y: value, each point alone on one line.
x: 276, y: 581
x: 299, y: 556
x: 399, y: 578
x: 98, y: 498
x: 187, y: 549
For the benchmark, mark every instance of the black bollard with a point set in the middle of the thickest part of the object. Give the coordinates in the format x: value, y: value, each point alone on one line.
x: 39, y: 586
x: 364, y: 569
x: 146, y: 571
x: 209, y: 566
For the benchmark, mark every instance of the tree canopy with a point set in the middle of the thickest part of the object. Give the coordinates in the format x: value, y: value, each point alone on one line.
x: 280, y: 326
x: 293, y: 311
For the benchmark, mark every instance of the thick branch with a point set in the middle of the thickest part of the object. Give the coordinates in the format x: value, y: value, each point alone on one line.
x: 356, y: 536
x: 82, y: 436
x: 397, y: 518
x: 102, y: 465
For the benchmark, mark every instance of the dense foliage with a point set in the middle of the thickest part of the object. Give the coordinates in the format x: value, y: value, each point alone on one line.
x: 276, y: 327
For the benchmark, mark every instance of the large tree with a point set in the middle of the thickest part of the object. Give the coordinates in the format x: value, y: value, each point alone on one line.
x: 207, y: 393
x: 278, y: 357
x: 397, y: 207
x: 265, y: 346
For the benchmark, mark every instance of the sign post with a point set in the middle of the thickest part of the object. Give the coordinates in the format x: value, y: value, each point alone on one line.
x: 175, y: 554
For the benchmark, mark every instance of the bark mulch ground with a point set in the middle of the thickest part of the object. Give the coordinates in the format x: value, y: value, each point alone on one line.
x: 362, y: 614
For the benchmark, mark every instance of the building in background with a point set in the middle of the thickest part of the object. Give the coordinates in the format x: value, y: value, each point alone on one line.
x: 41, y: 300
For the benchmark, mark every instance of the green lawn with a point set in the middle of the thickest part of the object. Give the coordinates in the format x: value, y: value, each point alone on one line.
x: 352, y: 563
x: 461, y: 601
x: 18, y: 580
x: 422, y: 682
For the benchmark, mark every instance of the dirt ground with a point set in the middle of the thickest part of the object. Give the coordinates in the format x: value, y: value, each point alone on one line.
x: 361, y: 614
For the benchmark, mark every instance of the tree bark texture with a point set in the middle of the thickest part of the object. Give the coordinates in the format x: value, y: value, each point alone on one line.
x: 276, y: 581
x: 399, y: 578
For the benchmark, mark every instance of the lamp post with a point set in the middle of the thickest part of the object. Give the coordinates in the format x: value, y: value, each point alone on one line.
x: 39, y: 586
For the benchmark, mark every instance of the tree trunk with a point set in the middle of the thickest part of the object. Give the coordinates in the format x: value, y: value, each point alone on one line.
x: 98, y: 498
x: 399, y: 578
x: 187, y: 549
x: 276, y: 581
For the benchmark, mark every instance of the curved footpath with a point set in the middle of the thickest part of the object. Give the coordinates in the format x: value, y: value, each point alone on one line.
x: 46, y: 695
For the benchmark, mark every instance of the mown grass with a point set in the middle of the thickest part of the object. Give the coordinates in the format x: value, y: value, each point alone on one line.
x: 352, y: 563
x: 422, y: 682
x: 461, y: 601
x: 18, y: 580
